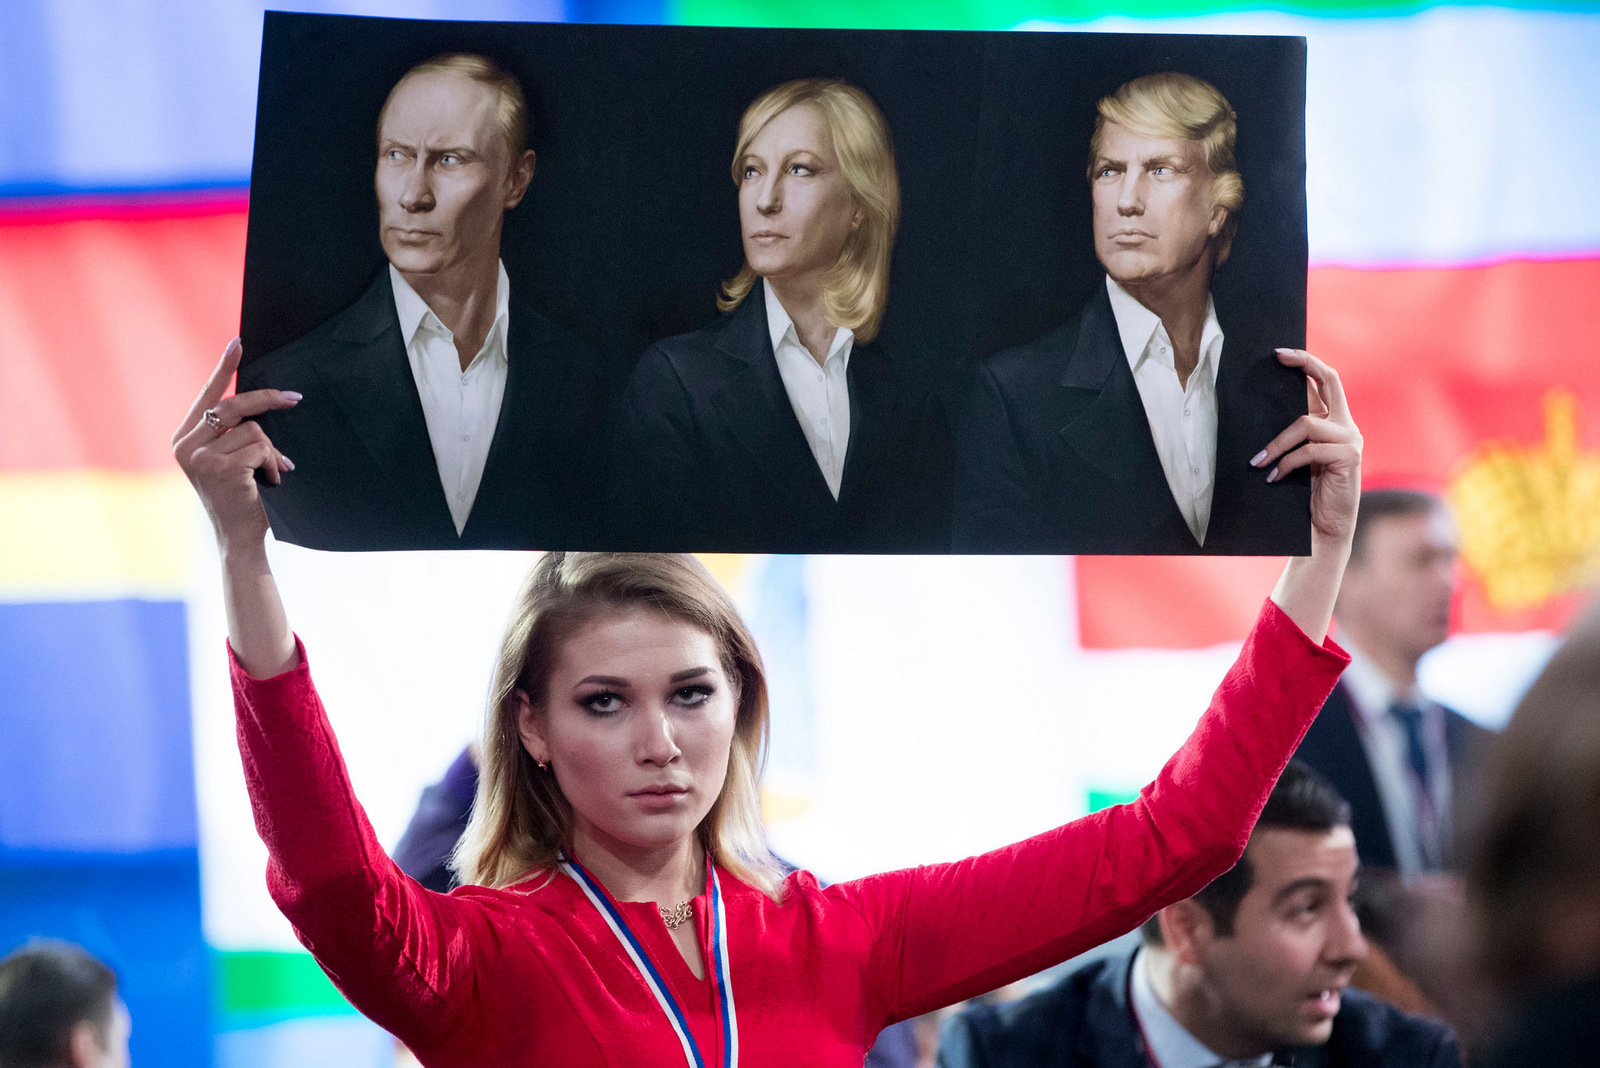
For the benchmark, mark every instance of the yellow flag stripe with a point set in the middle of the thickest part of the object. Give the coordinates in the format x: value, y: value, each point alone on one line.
x: 94, y: 535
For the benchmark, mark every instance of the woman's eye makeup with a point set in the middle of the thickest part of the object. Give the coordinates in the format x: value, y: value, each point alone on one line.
x: 605, y: 702
x: 602, y: 701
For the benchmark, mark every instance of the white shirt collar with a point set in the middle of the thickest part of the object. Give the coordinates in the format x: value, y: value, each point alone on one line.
x: 414, y: 312
x: 1137, y: 325
x: 780, y: 326
x: 1171, y: 1044
x: 1370, y: 689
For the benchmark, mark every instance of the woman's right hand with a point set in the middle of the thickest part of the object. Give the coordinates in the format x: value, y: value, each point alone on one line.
x: 222, y: 458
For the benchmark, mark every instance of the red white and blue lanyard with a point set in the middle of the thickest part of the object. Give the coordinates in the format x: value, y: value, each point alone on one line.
x: 652, y: 977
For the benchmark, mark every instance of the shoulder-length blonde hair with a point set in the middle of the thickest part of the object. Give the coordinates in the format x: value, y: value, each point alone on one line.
x: 520, y: 819
x: 857, y: 290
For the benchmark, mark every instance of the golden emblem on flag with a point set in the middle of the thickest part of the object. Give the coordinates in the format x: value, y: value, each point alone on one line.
x: 1530, y: 514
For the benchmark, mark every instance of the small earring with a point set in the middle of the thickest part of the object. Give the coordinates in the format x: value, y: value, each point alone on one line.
x: 544, y: 765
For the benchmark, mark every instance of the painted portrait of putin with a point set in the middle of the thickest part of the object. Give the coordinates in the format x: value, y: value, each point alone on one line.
x: 440, y: 410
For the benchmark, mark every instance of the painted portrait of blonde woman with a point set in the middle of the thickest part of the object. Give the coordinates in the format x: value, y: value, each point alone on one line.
x: 784, y: 425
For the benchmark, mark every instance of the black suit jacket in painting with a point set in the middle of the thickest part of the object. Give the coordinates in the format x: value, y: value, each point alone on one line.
x: 1055, y: 454
x: 1085, y: 1021
x: 365, y: 475
x: 710, y: 455
x: 1333, y: 747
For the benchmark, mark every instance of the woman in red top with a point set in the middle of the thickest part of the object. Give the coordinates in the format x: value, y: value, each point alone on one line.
x: 626, y: 912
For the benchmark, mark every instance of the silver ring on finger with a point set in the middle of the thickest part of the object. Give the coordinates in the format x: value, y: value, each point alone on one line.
x: 214, y: 421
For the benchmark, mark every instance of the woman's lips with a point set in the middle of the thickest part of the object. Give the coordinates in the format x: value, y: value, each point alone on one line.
x: 660, y: 797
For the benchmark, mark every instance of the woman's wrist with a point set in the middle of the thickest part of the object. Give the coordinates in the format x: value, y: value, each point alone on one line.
x: 1310, y: 586
x: 243, y: 555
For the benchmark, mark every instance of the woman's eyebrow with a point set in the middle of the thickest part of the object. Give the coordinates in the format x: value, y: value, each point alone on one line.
x: 689, y: 673
x: 603, y: 680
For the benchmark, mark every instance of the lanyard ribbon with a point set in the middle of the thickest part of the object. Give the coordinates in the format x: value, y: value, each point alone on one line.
x: 652, y: 978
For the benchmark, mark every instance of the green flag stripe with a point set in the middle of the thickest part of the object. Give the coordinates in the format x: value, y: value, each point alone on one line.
x: 1005, y: 14
x: 257, y: 984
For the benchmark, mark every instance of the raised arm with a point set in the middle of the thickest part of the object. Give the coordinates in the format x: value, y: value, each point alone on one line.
x: 1326, y: 440
x: 379, y: 935
x: 949, y: 931
x: 221, y: 448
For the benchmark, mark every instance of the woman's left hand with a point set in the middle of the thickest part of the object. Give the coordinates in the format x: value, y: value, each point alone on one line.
x: 1327, y: 441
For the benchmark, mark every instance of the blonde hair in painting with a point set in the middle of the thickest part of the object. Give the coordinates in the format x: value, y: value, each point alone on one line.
x: 857, y: 290
x: 511, y: 108
x: 1181, y: 107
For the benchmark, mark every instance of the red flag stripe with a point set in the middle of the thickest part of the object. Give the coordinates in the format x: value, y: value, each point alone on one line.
x: 110, y: 327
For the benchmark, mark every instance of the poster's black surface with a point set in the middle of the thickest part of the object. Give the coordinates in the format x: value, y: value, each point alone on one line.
x: 632, y: 222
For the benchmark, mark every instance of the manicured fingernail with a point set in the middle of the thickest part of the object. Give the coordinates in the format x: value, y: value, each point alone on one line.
x: 291, y: 395
x: 1284, y: 352
x: 288, y: 464
x: 1273, y: 475
x: 1255, y: 461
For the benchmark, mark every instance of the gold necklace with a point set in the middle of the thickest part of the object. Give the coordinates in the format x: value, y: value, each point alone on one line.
x: 677, y: 915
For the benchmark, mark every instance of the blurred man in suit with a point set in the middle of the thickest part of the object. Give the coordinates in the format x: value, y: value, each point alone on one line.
x: 59, y: 1009
x: 1405, y: 763
x: 1253, y: 970
x: 439, y: 410
x: 1132, y: 428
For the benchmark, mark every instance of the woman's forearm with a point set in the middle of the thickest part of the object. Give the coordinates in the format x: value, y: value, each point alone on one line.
x: 258, y: 629
x: 1309, y: 586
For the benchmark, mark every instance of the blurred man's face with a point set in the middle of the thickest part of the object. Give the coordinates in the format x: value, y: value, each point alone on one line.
x: 1397, y: 595
x: 443, y: 175
x: 120, y: 1031
x: 1154, y: 212
x: 1278, y: 979
x: 93, y: 1046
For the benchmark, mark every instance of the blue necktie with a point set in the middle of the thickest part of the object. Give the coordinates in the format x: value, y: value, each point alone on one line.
x: 1430, y: 837
x: 1410, y: 717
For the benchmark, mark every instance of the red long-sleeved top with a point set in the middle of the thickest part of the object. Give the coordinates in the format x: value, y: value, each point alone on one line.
x: 533, y: 976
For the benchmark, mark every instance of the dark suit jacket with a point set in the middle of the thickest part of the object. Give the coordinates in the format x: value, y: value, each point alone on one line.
x: 1084, y: 1021
x: 1333, y: 747
x: 710, y: 455
x: 1055, y: 455
x: 365, y: 476
x: 1552, y: 1028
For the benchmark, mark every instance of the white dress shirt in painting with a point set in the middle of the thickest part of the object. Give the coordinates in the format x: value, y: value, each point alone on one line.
x: 1420, y: 837
x: 819, y: 394
x: 461, y: 407
x: 1183, y: 419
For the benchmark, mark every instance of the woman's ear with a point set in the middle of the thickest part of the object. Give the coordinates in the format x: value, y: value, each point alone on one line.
x: 530, y: 727
x: 856, y: 217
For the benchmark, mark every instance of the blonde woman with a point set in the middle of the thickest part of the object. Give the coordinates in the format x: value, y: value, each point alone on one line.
x: 625, y: 910
x: 784, y: 426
